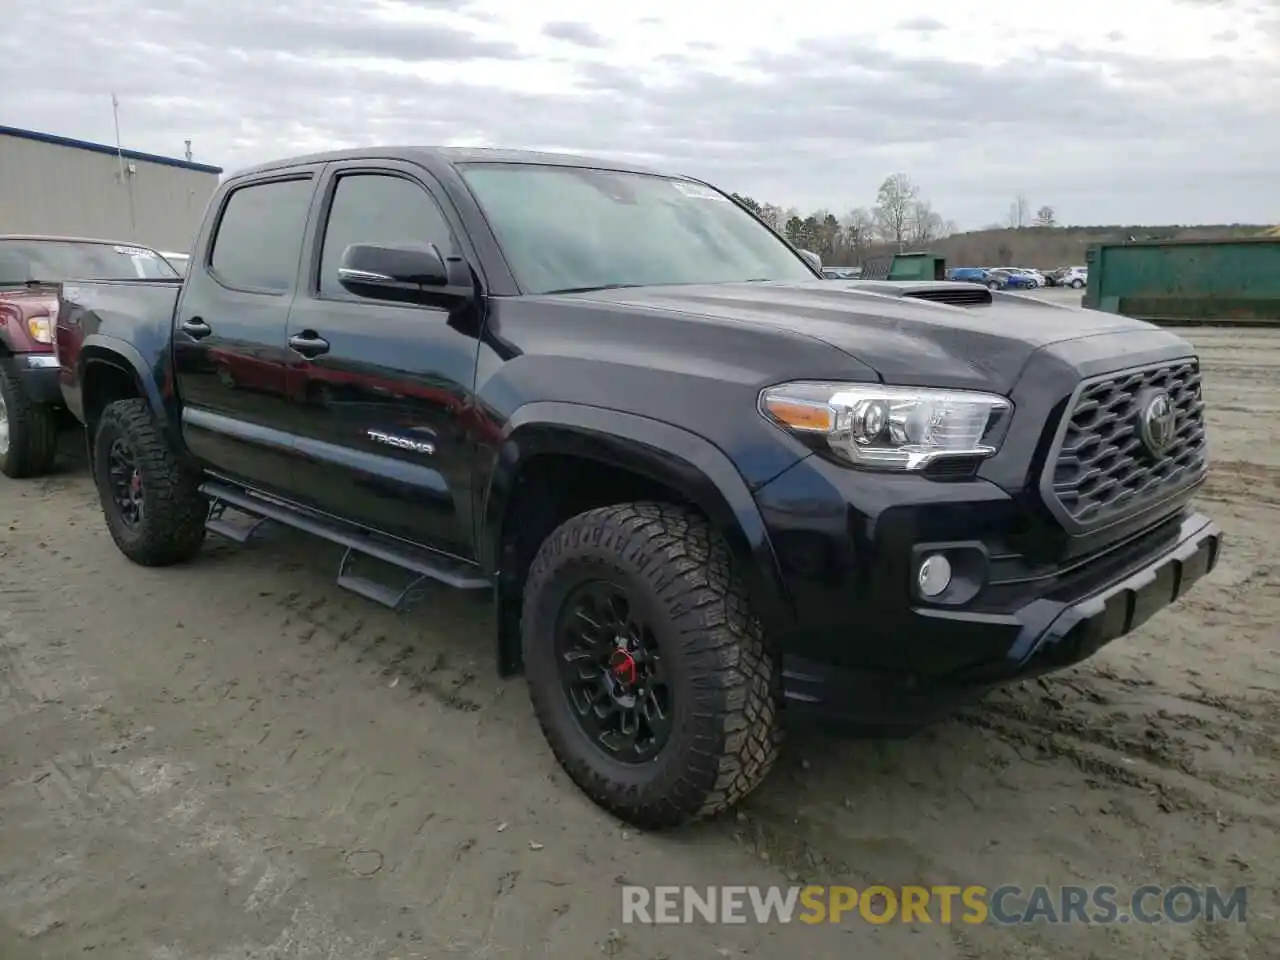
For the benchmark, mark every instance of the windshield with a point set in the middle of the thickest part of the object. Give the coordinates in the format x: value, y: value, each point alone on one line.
x: 573, y: 228
x: 24, y: 261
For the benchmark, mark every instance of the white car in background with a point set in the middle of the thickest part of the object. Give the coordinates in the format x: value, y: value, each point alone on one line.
x: 1074, y: 277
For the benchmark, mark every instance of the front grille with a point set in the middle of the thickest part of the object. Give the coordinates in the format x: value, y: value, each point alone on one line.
x: 958, y: 296
x: 1101, y: 469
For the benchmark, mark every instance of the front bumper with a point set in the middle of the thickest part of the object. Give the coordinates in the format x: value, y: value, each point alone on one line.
x: 38, y: 374
x: 1047, y: 634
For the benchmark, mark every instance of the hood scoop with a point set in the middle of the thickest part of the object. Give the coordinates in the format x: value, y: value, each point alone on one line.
x: 952, y: 293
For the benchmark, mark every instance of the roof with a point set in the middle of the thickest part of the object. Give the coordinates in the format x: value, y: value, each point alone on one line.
x: 58, y: 141
x: 429, y: 156
x: 50, y: 238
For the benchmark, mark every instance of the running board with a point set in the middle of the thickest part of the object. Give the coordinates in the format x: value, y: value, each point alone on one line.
x: 239, y: 532
x: 425, y: 564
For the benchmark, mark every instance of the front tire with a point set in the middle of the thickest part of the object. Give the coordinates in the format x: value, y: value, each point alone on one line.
x: 28, y: 431
x: 634, y: 611
x: 152, y: 502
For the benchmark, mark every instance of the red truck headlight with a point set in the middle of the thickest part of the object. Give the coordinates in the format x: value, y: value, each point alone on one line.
x: 41, y: 329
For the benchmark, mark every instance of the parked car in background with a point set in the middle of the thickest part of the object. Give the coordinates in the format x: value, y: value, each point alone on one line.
x: 1034, y: 274
x: 1053, y: 277
x: 976, y: 275
x: 841, y: 273
x: 177, y: 260
x: 1074, y: 277
x: 1013, y: 279
x: 30, y: 268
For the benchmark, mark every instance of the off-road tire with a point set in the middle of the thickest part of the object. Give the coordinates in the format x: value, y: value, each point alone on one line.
x: 172, y: 527
x: 33, y: 430
x: 728, y: 724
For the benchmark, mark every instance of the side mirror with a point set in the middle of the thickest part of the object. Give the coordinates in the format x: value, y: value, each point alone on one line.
x: 406, y: 274
x: 812, y: 259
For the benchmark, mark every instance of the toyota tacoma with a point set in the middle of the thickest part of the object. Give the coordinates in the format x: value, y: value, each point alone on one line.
x: 708, y: 490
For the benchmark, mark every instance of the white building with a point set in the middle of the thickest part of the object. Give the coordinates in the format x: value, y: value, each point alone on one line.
x: 56, y: 185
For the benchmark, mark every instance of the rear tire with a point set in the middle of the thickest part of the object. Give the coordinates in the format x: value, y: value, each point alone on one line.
x: 1077, y: 284
x: 156, y: 513
x: 28, y: 431
x: 714, y: 692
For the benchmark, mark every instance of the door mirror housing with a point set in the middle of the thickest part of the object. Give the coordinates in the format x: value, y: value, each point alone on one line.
x: 812, y: 259
x: 403, y: 273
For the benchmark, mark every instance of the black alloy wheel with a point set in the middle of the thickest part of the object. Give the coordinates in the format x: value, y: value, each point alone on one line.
x: 612, y: 672
x: 126, y: 482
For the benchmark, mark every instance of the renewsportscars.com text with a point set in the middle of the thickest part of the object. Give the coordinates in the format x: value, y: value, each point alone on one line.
x: 1003, y: 905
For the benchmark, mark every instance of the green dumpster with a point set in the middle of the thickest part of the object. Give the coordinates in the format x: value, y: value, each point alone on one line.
x: 905, y: 266
x: 1187, y: 281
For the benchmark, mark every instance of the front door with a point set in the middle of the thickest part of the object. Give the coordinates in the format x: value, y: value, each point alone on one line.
x: 230, y: 353
x: 380, y: 388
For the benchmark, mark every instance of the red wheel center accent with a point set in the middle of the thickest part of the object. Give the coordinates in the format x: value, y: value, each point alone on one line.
x: 135, y: 482
x: 624, y: 666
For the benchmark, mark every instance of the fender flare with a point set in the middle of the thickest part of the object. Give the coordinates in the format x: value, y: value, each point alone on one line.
x: 670, y: 455
x: 99, y: 348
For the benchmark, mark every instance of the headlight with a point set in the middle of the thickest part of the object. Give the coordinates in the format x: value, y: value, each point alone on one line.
x: 889, y: 428
x: 41, y: 329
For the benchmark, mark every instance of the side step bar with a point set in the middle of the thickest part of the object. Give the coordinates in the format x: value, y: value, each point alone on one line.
x: 425, y: 564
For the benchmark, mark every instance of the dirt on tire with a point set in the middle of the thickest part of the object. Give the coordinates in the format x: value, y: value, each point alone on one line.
x: 724, y: 672
x: 33, y: 430
x: 172, y: 528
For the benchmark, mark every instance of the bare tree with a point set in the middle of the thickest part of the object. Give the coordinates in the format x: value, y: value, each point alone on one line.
x: 859, y: 230
x: 1045, y: 218
x: 1019, y: 212
x: 926, y: 226
x: 894, y: 208
x: 772, y: 215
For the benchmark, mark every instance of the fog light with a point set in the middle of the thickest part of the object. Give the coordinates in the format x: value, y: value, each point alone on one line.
x: 934, y: 575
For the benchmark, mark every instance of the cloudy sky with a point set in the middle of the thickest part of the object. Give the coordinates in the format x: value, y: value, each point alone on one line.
x: 1134, y: 111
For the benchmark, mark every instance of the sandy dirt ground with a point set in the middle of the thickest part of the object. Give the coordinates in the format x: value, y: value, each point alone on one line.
x: 233, y: 759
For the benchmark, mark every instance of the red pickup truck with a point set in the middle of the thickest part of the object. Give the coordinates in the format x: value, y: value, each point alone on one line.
x: 30, y: 268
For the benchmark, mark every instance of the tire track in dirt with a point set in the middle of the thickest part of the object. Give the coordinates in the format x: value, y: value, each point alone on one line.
x: 1239, y: 481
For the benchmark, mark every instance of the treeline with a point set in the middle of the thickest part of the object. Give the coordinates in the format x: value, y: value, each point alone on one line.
x: 900, y: 219
x: 903, y: 220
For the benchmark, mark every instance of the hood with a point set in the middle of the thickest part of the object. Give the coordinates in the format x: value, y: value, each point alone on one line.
x: 892, y: 327
x: 33, y: 301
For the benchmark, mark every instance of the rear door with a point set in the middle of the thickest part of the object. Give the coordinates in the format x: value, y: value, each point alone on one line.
x: 229, y: 333
x: 379, y: 388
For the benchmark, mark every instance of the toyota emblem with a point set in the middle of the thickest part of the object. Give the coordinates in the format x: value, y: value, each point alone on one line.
x: 1158, y: 423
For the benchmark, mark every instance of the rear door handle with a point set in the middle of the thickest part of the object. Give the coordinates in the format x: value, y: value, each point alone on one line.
x: 196, y: 328
x: 309, y: 343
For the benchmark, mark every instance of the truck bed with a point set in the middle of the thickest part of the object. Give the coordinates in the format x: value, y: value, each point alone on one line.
x: 135, y: 316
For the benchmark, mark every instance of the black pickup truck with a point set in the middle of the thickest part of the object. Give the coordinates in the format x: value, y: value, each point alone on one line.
x: 709, y: 489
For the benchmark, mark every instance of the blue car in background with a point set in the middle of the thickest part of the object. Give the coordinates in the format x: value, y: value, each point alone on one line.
x: 976, y: 275
x: 1014, y: 281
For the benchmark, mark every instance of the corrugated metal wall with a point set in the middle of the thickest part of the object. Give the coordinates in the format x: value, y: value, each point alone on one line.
x: 49, y: 188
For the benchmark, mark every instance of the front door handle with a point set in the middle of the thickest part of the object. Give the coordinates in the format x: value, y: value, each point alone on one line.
x: 309, y: 343
x: 196, y: 328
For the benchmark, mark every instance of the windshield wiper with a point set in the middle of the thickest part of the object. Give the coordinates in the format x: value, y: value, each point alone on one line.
x: 598, y: 286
